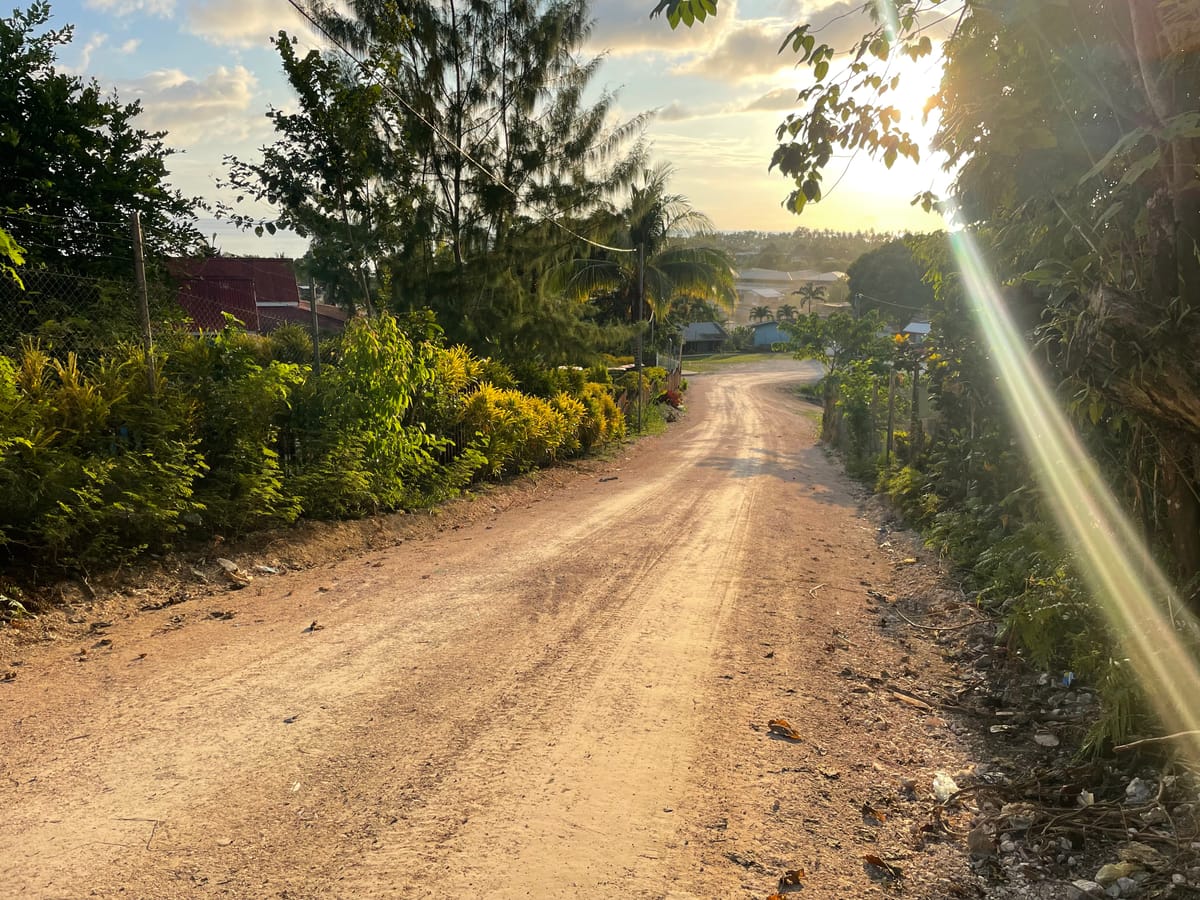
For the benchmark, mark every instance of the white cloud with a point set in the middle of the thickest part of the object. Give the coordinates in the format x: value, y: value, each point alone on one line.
x: 244, y: 23
x: 129, y: 46
x: 216, y: 107
x: 163, y: 8
x: 747, y: 52
x: 94, y: 43
x: 779, y: 99
x: 674, y: 112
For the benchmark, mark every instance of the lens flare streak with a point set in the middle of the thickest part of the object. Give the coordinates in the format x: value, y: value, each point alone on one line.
x: 1112, y: 557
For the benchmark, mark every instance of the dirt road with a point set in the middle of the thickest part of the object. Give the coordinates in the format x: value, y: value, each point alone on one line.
x: 565, y: 698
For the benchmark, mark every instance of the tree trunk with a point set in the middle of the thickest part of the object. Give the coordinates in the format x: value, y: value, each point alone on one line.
x: 1181, y: 484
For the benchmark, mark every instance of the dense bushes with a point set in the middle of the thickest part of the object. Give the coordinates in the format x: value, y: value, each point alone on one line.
x: 239, y: 434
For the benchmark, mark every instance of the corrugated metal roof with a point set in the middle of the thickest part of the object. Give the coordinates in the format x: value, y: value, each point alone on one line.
x: 211, y: 286
x: 704, y: 331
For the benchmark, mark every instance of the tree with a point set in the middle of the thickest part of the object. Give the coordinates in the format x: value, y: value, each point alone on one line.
x: 891, y: 280
x: 334, y: 174
x: 11, y: 256
x: 673, y: 273
x: 760, y: 313
x: 471, y: 144
x: 838, y: 343
x: 811, y: 293
x: 788, y: 313
x: 73, y: 163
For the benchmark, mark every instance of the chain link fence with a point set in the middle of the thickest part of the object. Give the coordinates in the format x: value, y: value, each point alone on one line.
x: 63, y: 313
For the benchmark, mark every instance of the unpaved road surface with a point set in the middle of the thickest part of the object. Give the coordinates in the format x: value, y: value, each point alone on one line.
x: 564, y: 698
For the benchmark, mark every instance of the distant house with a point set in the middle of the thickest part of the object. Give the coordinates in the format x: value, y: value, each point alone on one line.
x: 260, y: 292
x: 704, y: 337
x: 767, y: 334
x: 917, y: 331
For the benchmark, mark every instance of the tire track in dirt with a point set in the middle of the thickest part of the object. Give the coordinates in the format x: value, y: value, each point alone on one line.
x: 519, y: 707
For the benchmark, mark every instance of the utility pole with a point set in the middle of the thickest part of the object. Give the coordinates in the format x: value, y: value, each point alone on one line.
x: 139, y: 273
x: 640, y: 301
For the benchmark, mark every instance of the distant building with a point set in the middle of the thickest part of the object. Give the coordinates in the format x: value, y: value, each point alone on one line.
x: 261, y: 293
x: 769, y: 287
x: 917, y: 331
x: 767, y: 334
x: 704, y: 337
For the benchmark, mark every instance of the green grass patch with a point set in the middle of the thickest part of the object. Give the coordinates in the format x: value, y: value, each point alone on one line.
x: 719, y: 361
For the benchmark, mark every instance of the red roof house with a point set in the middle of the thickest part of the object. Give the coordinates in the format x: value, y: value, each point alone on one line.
x: 260, y: 292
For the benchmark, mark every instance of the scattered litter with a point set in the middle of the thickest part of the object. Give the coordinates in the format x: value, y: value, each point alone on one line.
x: 1139, y: 791
x: 610, y: 478
x: 313, y: 627
x: 227, y: 565
x: 1046, y: 739
x: 290, y: 720
x: 944, y: 787
x: 266, y: 570
x: 223, y: 614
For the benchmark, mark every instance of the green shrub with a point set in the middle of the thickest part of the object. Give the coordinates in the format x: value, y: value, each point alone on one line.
x: 89, y: 465
x: 603, y: 421
x: 291, y: 343
x: 514, y: 432
x: 242, y: 396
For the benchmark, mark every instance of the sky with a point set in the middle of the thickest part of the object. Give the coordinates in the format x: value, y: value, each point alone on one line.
x: 206, y: 73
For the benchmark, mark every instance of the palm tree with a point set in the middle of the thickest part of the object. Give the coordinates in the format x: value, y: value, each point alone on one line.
x: 810, y: 293
x: 673, y: 274
x: 786, y: 313
x: 760, y: 314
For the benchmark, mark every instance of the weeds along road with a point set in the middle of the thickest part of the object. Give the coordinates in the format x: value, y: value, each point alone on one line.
x: 554, y: 701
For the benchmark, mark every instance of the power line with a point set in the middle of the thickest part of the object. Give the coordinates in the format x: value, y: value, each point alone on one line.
x: 439, y: 133
x: 907, y: 306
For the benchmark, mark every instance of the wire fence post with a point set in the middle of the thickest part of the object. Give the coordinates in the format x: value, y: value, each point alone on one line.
x: 316, y: 328
x: 139, y: 272
x: 891, y: 419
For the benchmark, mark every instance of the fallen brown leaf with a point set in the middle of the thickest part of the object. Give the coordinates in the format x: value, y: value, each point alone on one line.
x: 795, y: 876
x: 782, y: 728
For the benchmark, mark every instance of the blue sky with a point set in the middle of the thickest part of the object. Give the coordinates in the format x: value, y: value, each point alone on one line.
x: 205, y: 72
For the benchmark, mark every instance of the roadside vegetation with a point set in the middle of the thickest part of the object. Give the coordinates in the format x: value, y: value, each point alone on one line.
x: 485, y: 252
x: 1075, y: 266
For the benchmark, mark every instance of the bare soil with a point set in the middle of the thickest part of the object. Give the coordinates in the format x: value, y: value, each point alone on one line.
x: 562, y: 688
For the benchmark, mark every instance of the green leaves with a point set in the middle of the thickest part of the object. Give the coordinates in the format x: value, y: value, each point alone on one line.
x: 686, y: 11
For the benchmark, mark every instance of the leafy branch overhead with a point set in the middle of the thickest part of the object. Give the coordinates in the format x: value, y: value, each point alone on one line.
x: 689, y: 12
x: 847, y: 108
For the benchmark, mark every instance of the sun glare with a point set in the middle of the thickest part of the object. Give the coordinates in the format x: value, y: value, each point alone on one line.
x: 1137, y: 599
